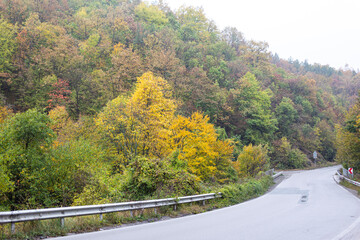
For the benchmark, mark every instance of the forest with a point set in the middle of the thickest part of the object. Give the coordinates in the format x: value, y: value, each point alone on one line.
x: 116, y: 100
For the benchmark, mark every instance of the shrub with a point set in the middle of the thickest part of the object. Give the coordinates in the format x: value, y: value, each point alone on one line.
x: 156, y: 178
x: 288, y: 157
x: 252, y: 160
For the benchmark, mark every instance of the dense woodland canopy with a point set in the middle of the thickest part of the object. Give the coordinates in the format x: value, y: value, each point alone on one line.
x: 111, y: 100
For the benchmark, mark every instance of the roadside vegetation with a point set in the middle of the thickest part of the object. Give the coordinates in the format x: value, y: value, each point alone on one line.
x: 232, y: 194
x: 115, y: 101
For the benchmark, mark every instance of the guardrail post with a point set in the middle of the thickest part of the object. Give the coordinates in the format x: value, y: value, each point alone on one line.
x: 155, y: 211
x: 203, y: 203
x: 175, y: 207
x: 131, y: 213
x: 12, y: 228
x: 62, y: 222
x: 101, y: 217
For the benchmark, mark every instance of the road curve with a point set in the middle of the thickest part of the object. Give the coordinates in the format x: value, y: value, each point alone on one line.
x: 306, y: 205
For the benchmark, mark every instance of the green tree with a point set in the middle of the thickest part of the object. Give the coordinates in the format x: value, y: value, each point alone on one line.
x: 151, y: 14
x: 255, y: 106
x: 7, y: 45
x: 24, y: 143
x: 286, y: 115
x: 76, y: 165
x: 194, y: 26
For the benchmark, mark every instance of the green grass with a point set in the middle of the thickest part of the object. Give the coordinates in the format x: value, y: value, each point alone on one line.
x: 350, y: 186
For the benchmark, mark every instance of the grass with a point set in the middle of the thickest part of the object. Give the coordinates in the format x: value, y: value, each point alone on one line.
x: 350, y: 186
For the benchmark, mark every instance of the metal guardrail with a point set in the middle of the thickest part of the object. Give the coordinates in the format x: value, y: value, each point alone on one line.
x: 63, y: 212
x: 277, y: 175
x: 13, y: 217
x: 348, y: 179
x: 271, y: 172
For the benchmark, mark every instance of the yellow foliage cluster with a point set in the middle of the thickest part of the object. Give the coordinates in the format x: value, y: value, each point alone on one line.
x: 145, y: 124
x: 196, y: 140
x: 139, y: 125
x: 4, y: 113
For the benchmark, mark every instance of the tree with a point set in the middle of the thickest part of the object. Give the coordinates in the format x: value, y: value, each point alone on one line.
x: 160, y: 56
x: 7, y: 45
x: 286, y: 115
x: 153, y: 109
x: 151, y: 15
x: 139, y: 125
x: 4, y: 113
x: 126, y: 66
x: 195, y: 139
x: 75, y: 165
x: 194, y: 26
x: 24, y: 142
x: 59, y: 96
x: 233, y: 37
x: 348, y: 139
x: 254, y: 104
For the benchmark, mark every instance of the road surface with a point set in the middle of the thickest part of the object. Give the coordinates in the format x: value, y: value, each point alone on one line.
x: 306, y: 205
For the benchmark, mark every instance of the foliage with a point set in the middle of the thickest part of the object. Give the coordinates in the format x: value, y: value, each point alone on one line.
x: 4, y: 114
x: 286, y: 115
x: 348, y: 139
x: 239, y: 192
x: 59, y: 96
x: 287, y: 157
x: 80, y: 62
x: 7, y: 45
x: 29, y: 130
x: 139, y: 125
x: 24, y: 142
x: 196, y: 140
x: 252, y: 160
x: 157, y: 178
x: 150, y: 14
x: 76, y: 165
x: 254, y: 104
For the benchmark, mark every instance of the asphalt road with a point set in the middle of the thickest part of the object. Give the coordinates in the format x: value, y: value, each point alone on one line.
x: 306, y: 205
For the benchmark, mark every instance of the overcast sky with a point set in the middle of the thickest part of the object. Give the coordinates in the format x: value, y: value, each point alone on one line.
x: 321, y: 31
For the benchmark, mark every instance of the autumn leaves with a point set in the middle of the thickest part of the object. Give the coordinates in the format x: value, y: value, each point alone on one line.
x: 145, y: 124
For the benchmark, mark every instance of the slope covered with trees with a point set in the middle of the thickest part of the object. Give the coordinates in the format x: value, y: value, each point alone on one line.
x: 120, y: 99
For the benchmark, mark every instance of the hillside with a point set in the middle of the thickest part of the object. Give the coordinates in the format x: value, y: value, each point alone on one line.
x: 101, y: 92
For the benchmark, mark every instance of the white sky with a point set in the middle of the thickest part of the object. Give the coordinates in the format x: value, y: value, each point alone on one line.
x: 321, y: 31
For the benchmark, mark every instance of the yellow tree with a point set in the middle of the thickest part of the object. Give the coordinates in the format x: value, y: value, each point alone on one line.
x: 4, y: 113
x: 195, y: 139
x: 139, y: 125
x: 153, y: 109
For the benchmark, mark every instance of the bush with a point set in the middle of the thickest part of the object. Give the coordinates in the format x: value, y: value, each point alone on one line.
x: 156, y: 178
x: 287, y: 157
x: 239, y: 192
x: 252, y: 160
